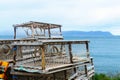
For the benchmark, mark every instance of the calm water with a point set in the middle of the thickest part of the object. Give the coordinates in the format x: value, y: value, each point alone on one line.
x: 104, y: 50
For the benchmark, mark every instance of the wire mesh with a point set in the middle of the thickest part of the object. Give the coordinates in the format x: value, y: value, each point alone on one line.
x: 56, y: 56
x: 55, y: 32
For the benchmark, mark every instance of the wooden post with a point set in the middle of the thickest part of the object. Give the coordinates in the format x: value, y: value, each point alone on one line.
x: 44, y: 31
x: 20, y: 48
x: 86, y: 72
x: 60, y: 31
x: 93, y: 77
x: 70, y: 53
x: 43, y: 58
x: 87, y: 50
x: 65, y: 73
x: 14, y: 54
x: 92, y: 61
x: 75, y: 70
x: 49, y: 33
x: 54, y: 76
x: 32, y: 28
x: 14, y: 32
x: 61, y: 49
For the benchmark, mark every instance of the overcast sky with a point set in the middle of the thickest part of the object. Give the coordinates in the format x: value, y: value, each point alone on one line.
x: 82, y: 15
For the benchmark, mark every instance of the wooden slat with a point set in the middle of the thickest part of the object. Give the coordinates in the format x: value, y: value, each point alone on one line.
x: 38, y: 24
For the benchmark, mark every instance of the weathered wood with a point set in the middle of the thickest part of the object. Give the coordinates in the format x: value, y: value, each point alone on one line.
x: 14, y: 32
x: 92, y: 61
x: 32, y: 54
x: 43, y: 58
x: 70, y: 53
x: 20, y: 50
x: 32, y: 28
x: 86, y: 71
x: 14, y: 54
x: 54, y: 76
x: 87, y: 49
x: 27, y: 74
x: 34, y: 25
x: 37, y: 24
x: 58, y: 42
x: 60, y: 31
x: 44, y: 32
x: 65, y: 74
x: 49, y: 33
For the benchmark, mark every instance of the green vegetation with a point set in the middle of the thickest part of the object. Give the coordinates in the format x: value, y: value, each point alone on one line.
x: 106, y: 77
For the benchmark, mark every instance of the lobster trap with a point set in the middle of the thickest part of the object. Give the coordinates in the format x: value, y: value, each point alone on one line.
x: 41, y: 53
x: 38, y: 30
x: 48, y: 56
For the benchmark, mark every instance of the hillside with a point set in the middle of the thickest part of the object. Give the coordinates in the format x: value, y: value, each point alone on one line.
x: 90, y: 33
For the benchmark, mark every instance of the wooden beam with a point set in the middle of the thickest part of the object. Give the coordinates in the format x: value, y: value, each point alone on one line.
x: 54, y: 76
x: 86, y: 72
x: 20, y: 48
x: 14, y: 32
x: 75, y: 70
x: 65, y: 73
x: 43, y: 58
x: 14, y: 54
x: 49, y: 33
x: 87, y: 49
x: 44, y: 31
x: 92, y: 61
x: 60, y: 31
x: 70, y: 52
x: 32, y: 28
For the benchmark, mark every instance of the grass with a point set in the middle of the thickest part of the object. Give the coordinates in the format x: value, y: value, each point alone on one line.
x: 106, y: 77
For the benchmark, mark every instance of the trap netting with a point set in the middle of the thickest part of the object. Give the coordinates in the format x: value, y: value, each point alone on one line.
x: 52, y: 55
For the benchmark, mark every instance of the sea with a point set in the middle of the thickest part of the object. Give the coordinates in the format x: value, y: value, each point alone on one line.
x: 105, y: 51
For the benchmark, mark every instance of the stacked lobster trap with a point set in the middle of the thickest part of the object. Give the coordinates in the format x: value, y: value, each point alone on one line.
x: 44, y: 55
x: 29, y: 32
x: 38, y: 30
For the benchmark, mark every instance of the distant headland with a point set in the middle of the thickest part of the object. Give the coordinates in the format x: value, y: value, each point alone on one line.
x: 84, y: 33
x: 75, y: 33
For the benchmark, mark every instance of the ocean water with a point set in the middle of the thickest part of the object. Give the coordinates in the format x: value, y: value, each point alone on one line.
x: 6, y: 37
x: 104, y: 50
